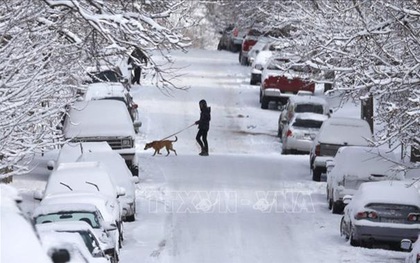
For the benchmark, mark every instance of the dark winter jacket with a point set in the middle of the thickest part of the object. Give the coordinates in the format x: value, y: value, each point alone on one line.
x: 204, y: 122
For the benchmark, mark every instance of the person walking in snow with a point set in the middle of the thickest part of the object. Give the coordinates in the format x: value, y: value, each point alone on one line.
x: 203, y: 127
x: 137, y: 59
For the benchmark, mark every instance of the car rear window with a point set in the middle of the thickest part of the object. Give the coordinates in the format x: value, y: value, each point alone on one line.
x: 393, y: 213
x: 105, y: 76
x: 315, y: 108
x: 302, y: 123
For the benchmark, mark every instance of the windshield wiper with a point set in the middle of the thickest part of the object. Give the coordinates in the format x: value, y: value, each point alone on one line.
x: 66, y: 185
x: 97, y: 188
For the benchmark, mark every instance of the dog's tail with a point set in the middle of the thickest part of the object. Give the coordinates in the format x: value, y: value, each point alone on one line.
x: 176, y: 139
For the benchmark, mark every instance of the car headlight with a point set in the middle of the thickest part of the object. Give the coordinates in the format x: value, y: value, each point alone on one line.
x: 126, y: 142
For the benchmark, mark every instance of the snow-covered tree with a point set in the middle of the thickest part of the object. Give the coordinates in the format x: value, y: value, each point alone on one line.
x: 371, y: 46
x: 45, y: 46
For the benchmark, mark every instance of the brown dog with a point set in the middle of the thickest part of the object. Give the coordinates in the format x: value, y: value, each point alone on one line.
x: 157, y: 145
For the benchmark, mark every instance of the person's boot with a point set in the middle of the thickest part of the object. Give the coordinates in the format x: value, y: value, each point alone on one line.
x: 204, y: 152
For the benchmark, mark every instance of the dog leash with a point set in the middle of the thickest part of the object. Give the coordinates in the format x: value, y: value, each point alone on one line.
x: 178, y: 132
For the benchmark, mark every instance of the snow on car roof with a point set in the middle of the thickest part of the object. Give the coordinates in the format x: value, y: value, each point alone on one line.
x: 363, y: 161
x: 57, y: 208
x: 387, y: 192
x: 98, y: 118
x: 104, y: 90
x: 342, y: 130
x: 308, y: 100
x: 71, y: 151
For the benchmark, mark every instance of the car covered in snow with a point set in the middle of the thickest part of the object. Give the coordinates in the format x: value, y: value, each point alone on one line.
x: 110, y: 212
x: 333, y: 134
x: 301, y: 104
x: 354, y: 165
x: 231, y: 38
x: 260, y: 60
x: 386, y: 211
x: 82, y: 228
x: 300, y: 131
x: 105, y: 72
x: 19, y: 240
x: 88, y: 213
x: 250, y: 39
x: 112, y: 161
x: 114, y: 91
x: 284, y: 76
x: 71, y: 246
x: 103, y: 120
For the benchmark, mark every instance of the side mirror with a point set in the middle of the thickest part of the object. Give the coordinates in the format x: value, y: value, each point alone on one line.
x: 124, y: 80
x: 135, y: 179
x: 347, y: 199
x: 50, y: 165
x: 60, y: 256
x: 406, y: 244
x: 110, y: 226
x: 120, y: 191
x: 137, y: 124
x: 38, y: 195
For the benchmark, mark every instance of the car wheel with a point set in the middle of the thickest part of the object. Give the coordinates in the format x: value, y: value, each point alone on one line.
x: 353, y: 242
x: 252, y: 82
x: 264, y: 103
x: 337, y: 208
x: 330, y: 203
x: 279, y: 131
x: 316, y: 174
x: 342, y: 230
x: 244, y: 61
x: 285, y: 152
x: 131, y: 218
x: 134, y: 170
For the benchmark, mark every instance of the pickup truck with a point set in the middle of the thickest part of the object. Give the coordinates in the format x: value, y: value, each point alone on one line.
x: 279, y: 81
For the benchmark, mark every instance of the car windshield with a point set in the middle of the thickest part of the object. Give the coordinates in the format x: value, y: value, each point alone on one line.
x: 104, y: 76
x: 311, y: 124
x: 315, y: 108
x: 88, y: 217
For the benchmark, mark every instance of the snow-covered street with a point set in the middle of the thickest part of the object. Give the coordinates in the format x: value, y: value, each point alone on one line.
x: 245, y: 202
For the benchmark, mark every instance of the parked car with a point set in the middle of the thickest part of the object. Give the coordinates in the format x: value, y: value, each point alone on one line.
x: 81, y: 212
x: 71, y: 245
x: 106, y: 73
x: 114, y: 91
x: 333, y: 134
x: 386, y: 211
x: 413, y: 248
x: 103, y: 120
x: 259, y: 62
x: 284, y: 76
x: 300, y: 131
x: 256, y: 49
x: 19, y: 240
x: 301, y: 104
x: 249, y: 41
x: 110, y: 212
x: 82, y: 228
x: 231, y: 39
x: 354, y: 165
x: 112, y: 161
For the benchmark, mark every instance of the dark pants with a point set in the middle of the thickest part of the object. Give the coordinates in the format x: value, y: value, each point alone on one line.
x: 137, y: 74
x: 202, y: 140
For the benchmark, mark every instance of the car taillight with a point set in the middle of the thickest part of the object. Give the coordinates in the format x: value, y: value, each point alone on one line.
x: 413, y: 217
x: 366, y: 215
x: 134, y: 106
x: 289, y: 133
x: 318, y: 150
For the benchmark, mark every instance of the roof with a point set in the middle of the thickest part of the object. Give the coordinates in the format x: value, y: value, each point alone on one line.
x: 71, y: 151
x: 99, y: 118
x: 342, y: 131
x: 363, y: 161
x: 391, y: 192
x: 308, y: 100
x: 102, y: 90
